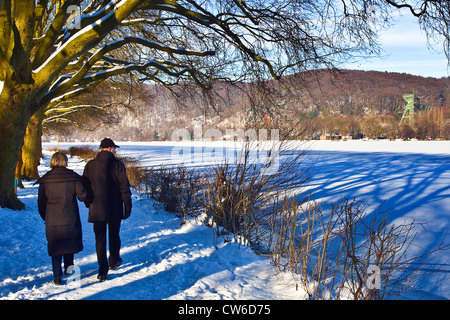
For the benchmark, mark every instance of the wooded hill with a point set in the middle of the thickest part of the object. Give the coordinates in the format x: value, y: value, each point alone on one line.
x: 307, y: 105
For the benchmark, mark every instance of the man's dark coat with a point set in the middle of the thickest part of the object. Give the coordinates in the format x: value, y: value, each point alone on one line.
x: 110, y: 188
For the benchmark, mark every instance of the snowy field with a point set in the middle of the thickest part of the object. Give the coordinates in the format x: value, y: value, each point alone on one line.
x: 166, y: 260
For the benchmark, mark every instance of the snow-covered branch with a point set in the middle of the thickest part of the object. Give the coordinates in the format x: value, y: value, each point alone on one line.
x: 63, y: 111
x: 60, y: 114
x: 111, y: 67
x: 84, y: 39
x: 163, y: 65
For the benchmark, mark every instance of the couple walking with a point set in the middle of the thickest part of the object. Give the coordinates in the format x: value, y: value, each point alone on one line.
x: 104, y: 188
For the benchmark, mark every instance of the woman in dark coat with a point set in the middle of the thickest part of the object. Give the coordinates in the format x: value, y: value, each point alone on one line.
x: 57, y: 204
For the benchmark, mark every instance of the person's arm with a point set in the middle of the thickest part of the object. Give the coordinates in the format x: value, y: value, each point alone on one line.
x: 81, y: 192
x: 125, y: 191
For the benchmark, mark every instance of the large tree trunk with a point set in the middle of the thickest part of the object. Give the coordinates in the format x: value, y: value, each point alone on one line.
x: 15, y: 111
x: 10, y: 143
x: 32, y: 148
x: 17, y: 100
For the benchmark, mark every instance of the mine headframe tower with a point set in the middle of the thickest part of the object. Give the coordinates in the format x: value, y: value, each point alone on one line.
x: 408, y: 112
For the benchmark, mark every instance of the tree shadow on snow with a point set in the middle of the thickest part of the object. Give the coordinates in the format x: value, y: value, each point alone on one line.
x: 410, y: 186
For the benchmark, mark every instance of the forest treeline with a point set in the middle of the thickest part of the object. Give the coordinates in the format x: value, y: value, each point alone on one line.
x: 310, y: 105
x: 370, y: 104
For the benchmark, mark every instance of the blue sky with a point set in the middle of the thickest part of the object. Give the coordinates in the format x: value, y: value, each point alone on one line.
x: 405, y: 50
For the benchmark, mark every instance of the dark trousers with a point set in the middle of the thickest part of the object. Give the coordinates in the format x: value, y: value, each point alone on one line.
x: 100, y: 244
x: 56, y: 264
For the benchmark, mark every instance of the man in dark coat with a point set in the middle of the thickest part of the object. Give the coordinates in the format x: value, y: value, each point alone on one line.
x: 58, y: 191
x: 111, y: 202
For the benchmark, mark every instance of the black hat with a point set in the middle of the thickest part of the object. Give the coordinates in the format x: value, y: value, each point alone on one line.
x: 107, y: 143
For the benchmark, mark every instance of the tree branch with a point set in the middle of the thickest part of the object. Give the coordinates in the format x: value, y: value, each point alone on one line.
x: 47, y: 41
x: 207, y: 19
x: 67, y: 82
x: 4, y: 64
x: 408, y: 6
x: 5, y: 30
x: 83, y: 40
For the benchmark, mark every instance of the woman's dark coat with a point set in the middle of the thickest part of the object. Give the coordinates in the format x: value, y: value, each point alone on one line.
x: 57, y: 204
x: 110, y: 195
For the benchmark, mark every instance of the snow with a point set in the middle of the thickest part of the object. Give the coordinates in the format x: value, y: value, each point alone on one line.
x: 164, y: 259
x: 410, y: 179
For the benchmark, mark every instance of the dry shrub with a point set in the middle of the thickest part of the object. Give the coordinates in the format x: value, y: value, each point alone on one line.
x: 336, y: 254
x: 137, y: 175
x: 84, y: 152
x: 174, y: 188
x: 238, y: 196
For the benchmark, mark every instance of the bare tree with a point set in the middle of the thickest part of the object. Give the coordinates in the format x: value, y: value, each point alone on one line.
x: 47, y: 53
